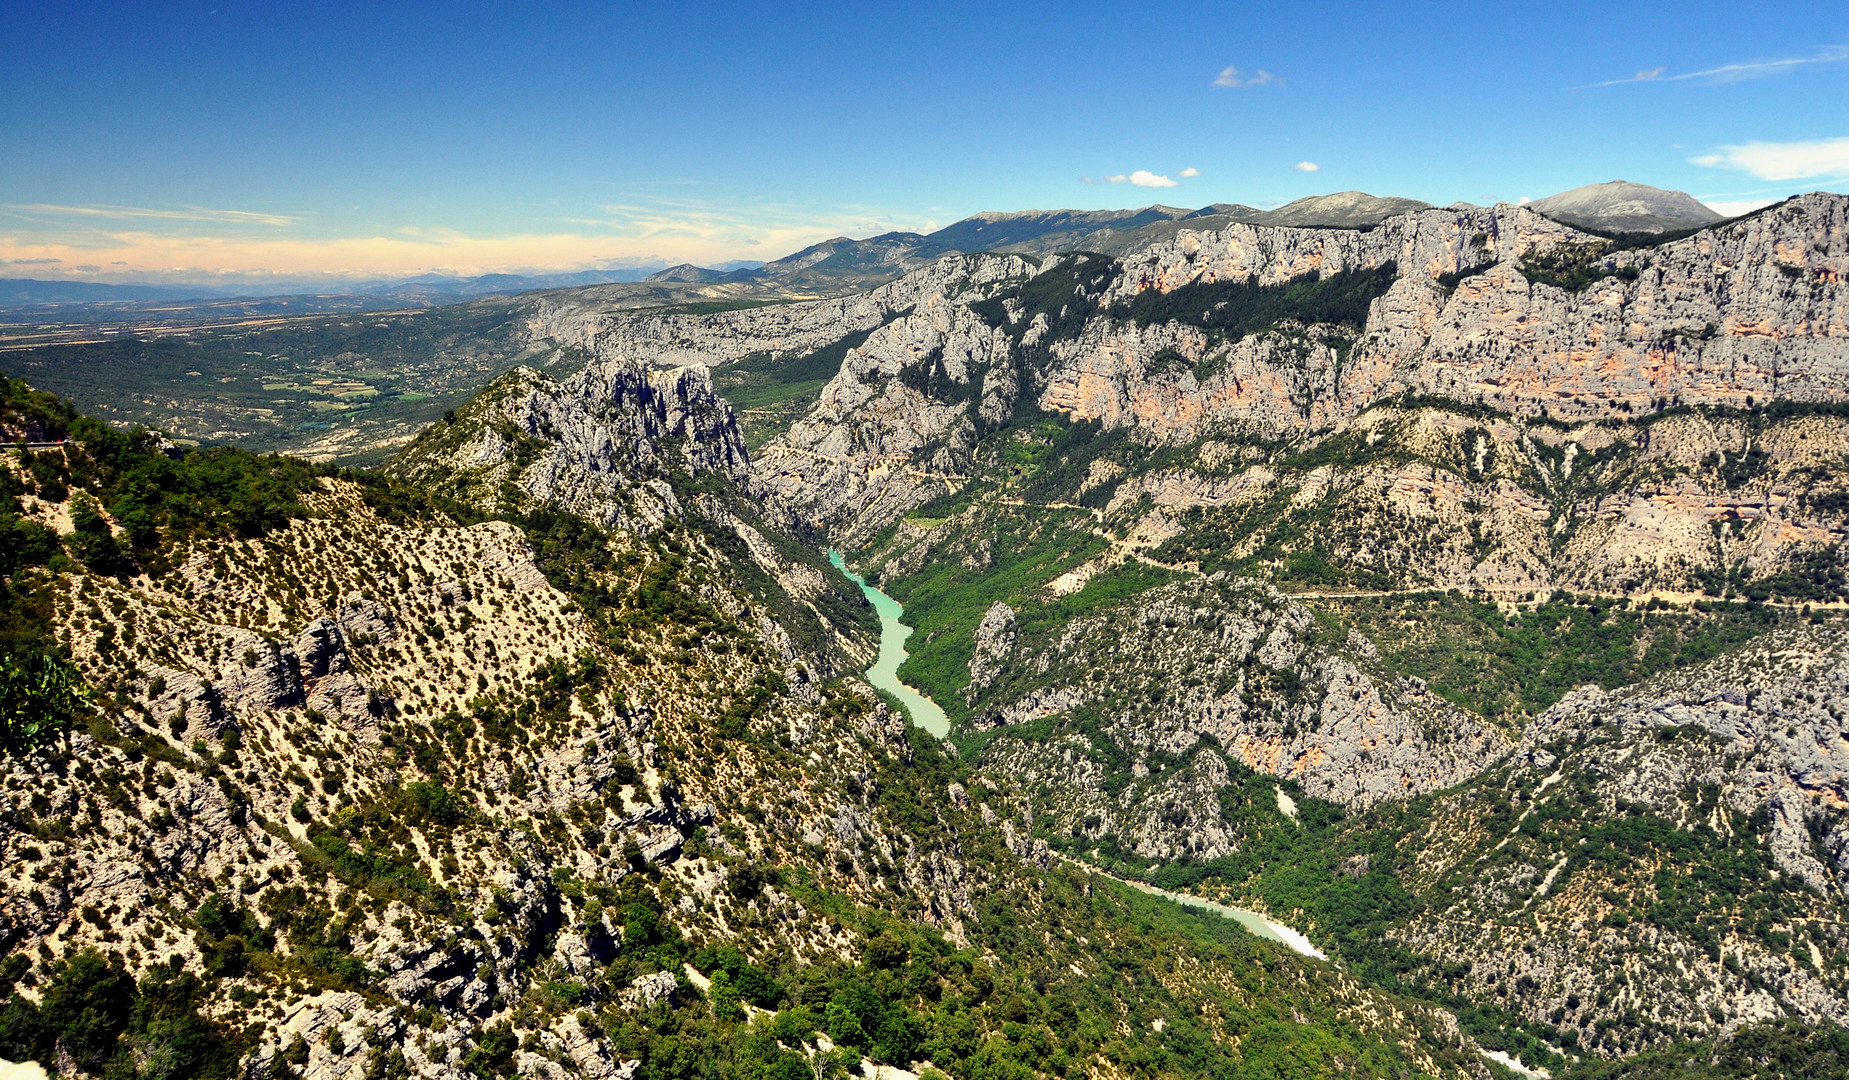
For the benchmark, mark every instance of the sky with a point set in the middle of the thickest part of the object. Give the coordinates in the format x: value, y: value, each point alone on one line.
x: 219, y: 140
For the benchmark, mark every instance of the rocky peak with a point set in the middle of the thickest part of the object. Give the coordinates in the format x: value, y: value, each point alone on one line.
x: 602, y: 443
x: 1342, y: 210
x: 1621, y: 206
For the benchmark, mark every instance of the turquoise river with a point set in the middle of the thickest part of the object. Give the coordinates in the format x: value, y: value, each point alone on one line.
x: 884, y: 674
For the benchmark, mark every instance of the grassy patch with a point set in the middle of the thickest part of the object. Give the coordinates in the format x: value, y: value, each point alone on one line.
x: 945, y: 599
x: 1509, y: 666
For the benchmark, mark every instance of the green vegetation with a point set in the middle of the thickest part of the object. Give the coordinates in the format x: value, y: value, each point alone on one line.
x: 1782, y: 1050
x: 943, y: 601
x: 111, y: 1025
x: 1575, y: 267
x: 39, y: 699
x: 273, y: 386
x: 1513, y: 665
x: 1235, y: 309
x: 911, y: 994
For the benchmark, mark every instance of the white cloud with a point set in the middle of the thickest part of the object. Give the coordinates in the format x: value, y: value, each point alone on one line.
x: 1233, y: 77
x: 1730, y: 73
x: 121, y: 213
x: 1189, y: 174
x: 1141, y: 178
x: 1307, y: 166
x: 647, y: 231
x: 1783, y: 161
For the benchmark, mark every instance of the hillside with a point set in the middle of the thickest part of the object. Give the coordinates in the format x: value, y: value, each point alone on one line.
x: 1472, y: 463
x: 365, y: 782
x: 1623, y: 207
x: 1461, y: 589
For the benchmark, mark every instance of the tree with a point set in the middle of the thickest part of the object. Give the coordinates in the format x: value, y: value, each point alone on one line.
x: 39, y: 696
x: 493, y: 1055
x: 87, y: 1005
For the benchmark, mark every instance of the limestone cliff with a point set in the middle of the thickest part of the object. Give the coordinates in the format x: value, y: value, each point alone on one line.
x: 601, y: 443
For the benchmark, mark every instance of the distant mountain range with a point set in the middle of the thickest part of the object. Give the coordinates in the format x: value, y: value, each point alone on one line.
x: 425, y: 288
x: 841, y: 265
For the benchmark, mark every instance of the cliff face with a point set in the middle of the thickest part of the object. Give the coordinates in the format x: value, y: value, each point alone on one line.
x: 1499, y: 306
x: 600, y: 444
x: 1403, y: 498
x: 1188, y: 678
x: 1754, y: 309
x: 1697, y: 819
x: 905, y: 410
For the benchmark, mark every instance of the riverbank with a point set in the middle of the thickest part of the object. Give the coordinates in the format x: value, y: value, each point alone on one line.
x: 1254, y: 923
x: 884, y: 674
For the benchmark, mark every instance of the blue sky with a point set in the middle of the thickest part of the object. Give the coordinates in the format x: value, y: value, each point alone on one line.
x: 224, y: 139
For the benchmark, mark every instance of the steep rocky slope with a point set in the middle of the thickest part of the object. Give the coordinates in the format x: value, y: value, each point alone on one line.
x: 1659, y: 863
x: 1256, y: 561
x: 1662, y: 861
x: 369, y: 785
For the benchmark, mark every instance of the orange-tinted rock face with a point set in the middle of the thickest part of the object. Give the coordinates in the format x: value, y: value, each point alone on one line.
x: 1751, y: 311
x: 1741, y: 314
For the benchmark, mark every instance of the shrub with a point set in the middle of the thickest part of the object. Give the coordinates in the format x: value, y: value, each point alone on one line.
x: 493, y: 1054
x: 39, y: 697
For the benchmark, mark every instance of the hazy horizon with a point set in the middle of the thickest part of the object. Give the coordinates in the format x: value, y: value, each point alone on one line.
x: 228, y: 143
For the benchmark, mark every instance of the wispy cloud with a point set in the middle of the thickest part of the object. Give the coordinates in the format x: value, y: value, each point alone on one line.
x: 640, y: 230
x: 1307, y: 166
x: 1188, y: 174
x: 141, y: 213
x: 1783, y: 161
x: 1142, y: 178
x: 1729, y: 73
x: 1232, y: 77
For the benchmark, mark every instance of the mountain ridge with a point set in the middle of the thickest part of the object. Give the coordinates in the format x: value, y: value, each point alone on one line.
x: 842, y: 264
x: 1371, y: 578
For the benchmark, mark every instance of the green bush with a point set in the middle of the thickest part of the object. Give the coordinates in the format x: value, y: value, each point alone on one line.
x: 39, y: 698
x: 86, y: 1007
x: 493, y: 1053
